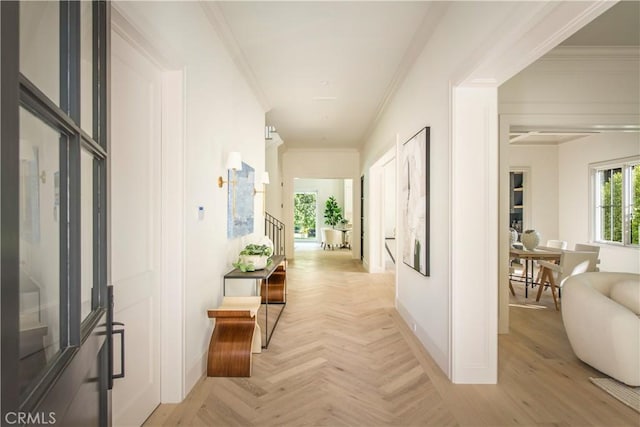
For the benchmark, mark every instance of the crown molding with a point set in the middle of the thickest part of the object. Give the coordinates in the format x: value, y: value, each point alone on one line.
x: 142, y: 36
x: 275, y: 140
x: 433, y: 15
x: 511, y: 49
x: 604, y: 53
x: 216, y: 18
x: 293, y: 150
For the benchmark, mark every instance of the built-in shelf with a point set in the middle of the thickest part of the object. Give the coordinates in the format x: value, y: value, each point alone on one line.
x: 516, y: 200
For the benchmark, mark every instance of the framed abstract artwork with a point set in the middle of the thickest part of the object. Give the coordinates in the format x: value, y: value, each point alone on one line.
x: 413, y: 169
x: 240, y: 202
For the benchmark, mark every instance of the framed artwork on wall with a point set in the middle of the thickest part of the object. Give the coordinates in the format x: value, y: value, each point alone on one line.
x: 240, y: 202
x: 414, y: 174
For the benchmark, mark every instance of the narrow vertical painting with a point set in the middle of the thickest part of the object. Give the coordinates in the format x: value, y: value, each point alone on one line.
x: 240, y: 202
x: 414, y: 196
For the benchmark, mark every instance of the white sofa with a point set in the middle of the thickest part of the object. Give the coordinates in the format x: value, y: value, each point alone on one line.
x: 601, y: 312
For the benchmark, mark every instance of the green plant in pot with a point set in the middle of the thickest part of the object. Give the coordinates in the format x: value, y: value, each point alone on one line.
x: 332, y: 212
x: 254, y: 257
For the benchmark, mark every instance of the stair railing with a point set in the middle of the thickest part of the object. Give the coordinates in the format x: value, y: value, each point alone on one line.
x: 275, y: 230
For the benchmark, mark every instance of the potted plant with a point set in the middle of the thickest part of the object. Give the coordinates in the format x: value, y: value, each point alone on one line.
x: 253, y: 257
x: 332, y: 212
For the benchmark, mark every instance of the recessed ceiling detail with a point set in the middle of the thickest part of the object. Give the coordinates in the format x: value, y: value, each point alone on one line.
x: 545, y: 137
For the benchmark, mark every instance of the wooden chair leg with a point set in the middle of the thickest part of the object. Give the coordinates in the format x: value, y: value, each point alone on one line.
x: 547, y: 276
x: 545, y: 273
x: 511, y: 288
x: 539, y: 276
x: 552, y: 283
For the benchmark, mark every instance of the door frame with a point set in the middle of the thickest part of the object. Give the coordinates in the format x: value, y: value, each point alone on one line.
x: 376, y: 262
x: 84, y: 342
x: 172, y: 194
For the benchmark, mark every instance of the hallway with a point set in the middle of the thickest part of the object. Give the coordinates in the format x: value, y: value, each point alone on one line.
x: 341, y: 355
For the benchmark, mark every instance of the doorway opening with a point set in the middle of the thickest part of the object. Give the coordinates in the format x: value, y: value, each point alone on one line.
x: 322, y: 204
x: 383, y: 214
x: 305, y: 207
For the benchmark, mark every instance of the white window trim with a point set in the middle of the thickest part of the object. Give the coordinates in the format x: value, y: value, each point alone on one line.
x: 624, y: 163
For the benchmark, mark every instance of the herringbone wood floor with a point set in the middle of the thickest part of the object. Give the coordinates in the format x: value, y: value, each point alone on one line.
x: 342, y: 356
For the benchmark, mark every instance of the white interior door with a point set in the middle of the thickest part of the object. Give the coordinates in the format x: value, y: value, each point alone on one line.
x: 136, y: 87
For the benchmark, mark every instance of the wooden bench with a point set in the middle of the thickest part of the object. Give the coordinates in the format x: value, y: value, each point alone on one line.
x: 235, y: 337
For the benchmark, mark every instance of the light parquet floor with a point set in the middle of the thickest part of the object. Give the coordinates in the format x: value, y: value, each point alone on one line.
x: 342, y: 356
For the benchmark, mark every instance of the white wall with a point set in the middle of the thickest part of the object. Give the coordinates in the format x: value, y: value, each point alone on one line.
x: 390, y: 199
x: 222, y: 114
x: 347, y: 211
x: 274, y: 189
x: 480, y: 45
x: 324, y: 188
x: 541, y: 213
x: 424, y: 100
x: 319, y: 164
x: 573, y: 184
x: 575, y: 80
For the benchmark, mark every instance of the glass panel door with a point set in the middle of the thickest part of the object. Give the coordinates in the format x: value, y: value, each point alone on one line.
x: 39, y: 203
x: 40, y: 45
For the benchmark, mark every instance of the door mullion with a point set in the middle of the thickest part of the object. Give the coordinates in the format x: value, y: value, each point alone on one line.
x: 9, y: 204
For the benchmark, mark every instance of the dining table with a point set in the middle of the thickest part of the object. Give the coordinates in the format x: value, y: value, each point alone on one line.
x: 529, y: 256
x: 344, y: 234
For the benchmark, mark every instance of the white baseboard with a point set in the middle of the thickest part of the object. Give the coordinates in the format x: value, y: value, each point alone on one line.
x: 195, y: 373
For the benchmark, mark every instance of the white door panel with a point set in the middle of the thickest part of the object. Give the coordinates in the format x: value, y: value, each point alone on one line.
x: 135, y: 228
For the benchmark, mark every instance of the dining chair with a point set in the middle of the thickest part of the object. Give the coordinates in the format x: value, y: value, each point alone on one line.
x: 512, y: 271
x: 553, y: 244
x: 557, y: 244
x: 323, y: 238
x: 589, y: 248
x: 571, y: 263
x: 334, y: 238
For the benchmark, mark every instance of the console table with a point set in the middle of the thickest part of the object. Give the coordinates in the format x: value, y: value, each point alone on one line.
x: 260, y: 276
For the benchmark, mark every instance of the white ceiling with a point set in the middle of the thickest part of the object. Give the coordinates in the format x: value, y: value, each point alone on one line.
x: 325, y: 69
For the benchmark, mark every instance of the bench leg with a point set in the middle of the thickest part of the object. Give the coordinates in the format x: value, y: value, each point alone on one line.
x: 230, y: 348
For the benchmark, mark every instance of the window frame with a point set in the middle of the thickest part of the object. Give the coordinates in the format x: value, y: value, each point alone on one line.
x: 625, y: 164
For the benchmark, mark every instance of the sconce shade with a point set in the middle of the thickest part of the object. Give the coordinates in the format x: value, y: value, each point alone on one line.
x: 234, y: 161
x: 265, y: 177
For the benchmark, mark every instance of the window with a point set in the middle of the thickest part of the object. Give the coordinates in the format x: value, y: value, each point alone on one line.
x: 304, y: 213
x: 616, y: 195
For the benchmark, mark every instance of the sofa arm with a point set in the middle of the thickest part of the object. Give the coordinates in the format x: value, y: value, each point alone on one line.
x: 602, y: 333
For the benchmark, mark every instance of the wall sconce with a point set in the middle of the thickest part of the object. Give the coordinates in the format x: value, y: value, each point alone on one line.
x: 264, y: 181
x: 234, y: 163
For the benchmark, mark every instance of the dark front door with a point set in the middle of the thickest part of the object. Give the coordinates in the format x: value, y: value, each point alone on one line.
x: 54, y: 317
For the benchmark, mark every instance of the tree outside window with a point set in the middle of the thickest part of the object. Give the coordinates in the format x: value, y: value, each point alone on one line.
x: 618, y: 203
x: 635, y: 207
x: 304, y: 214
